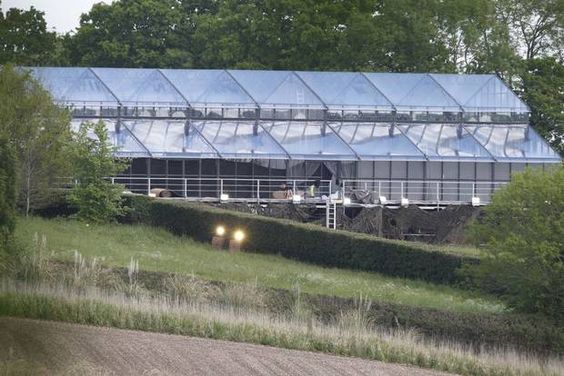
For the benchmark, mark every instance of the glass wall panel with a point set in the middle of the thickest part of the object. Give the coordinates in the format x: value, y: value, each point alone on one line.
x: 365, y: 170
x: 483, y: 171
x: 506, y: 142
x: 434, y: 170
x: 309, y: 140
x: 467, y: 171
x: 502, y: 171
x: 377, y: 141
x: 240, y: 140
x: 444, y: 141
x: 382, y: 169
x: 416, y: 170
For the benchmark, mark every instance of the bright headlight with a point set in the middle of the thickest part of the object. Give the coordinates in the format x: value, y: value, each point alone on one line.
x: 239, y: 235
x: 220, y: 230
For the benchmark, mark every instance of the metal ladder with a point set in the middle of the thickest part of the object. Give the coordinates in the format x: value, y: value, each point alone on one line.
x: 331, y: 214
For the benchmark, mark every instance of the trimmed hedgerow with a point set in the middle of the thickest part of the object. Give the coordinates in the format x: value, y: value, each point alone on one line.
x: 303, y: 242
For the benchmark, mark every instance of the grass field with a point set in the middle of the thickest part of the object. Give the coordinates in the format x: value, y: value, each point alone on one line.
x: 158, y: 250
x: 351, y: 335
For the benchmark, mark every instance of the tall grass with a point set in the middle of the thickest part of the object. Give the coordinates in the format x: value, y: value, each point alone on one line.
x: 158, y: 250
x: 351, y: 335
x: 87, y: 293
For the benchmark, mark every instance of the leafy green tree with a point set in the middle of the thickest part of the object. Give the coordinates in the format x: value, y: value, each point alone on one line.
x: 133, y: 33
x: 25, y: 39
x: 543, y: 90
x: 522, y: 232
x: 536, y: 25
x: 38, y: 131
x: 97, y: 199
x: 7, y: 193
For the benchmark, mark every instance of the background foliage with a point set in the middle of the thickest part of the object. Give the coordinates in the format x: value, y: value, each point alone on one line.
x: 38, y: 131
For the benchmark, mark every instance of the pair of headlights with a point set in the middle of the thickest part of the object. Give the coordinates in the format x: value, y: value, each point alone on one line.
x: 238, y: 235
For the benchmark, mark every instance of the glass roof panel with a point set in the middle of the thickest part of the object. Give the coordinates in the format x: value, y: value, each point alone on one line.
x: 78, y: 86
x: 277, y: 88
x: 127, y: 145
x: 143, y: 87
x: 377, y: 141
x: 506, y: 142
x: 444, y: 141
x: 237, y: 140
x: 395, y: 86
x: 414, y: 92
x: 345, y: 89
x: 167, y: 138
x: 208, y: 86
x: 495, y: 96
x: 462, y: 86
x: 304, y: 140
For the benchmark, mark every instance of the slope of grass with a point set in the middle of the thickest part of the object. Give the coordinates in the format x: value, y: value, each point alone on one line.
x: 158, y: 250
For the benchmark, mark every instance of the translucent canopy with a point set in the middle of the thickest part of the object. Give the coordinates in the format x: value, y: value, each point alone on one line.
x: 170, y: 138
x: 481, y: 93
x: 126, y: 144
x: 289, y: 89
x: 346, y: 89
x: 377, y: 141
x: 209, y: 87
x: 308, y: 140
x: 513, y: 143
x: 277, y: 88
x: 136, y: 87
x: 445, y: 141
x: 74, y: 86
x: 240, y: 140
x: 414, y: 92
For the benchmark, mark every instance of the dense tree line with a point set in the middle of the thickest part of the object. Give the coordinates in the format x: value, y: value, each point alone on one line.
x: 520, y: 40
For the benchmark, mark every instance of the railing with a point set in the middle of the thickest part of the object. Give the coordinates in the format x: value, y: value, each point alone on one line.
x: 440, y: 192
x: 241, y: 189
x: 360, y: 191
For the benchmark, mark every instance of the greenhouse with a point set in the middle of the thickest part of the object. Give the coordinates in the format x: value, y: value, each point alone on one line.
x: 367, y: 138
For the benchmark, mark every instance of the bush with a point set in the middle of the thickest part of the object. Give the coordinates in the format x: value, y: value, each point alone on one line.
x: 96, y: 199
x: 523, y: 233
x: 303, y: 242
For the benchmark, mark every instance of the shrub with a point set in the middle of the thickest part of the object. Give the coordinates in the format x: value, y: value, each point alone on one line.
x: 97, y: 199
x: 523, y: 233
x: 303, y: 242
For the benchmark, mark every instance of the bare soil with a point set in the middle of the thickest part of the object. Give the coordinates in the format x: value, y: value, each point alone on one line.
x: 61, y: 348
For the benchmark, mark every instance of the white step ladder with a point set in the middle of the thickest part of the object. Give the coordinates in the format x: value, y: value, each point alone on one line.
x: 331, y: 214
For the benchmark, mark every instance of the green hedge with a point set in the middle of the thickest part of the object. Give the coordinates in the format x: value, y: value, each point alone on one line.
x: 309, y: 243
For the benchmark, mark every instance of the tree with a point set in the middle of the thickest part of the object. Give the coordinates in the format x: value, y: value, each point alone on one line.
x: 543, y: 90
x: 38, y: 132
x: 7, y: 194
x: 133, y: 33
x: 25, y: 39
x: 536, y: 25
x: 97, y: 199
x: 523, y: 236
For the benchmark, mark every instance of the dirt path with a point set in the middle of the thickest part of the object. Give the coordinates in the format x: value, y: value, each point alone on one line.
x: 61, y: 348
